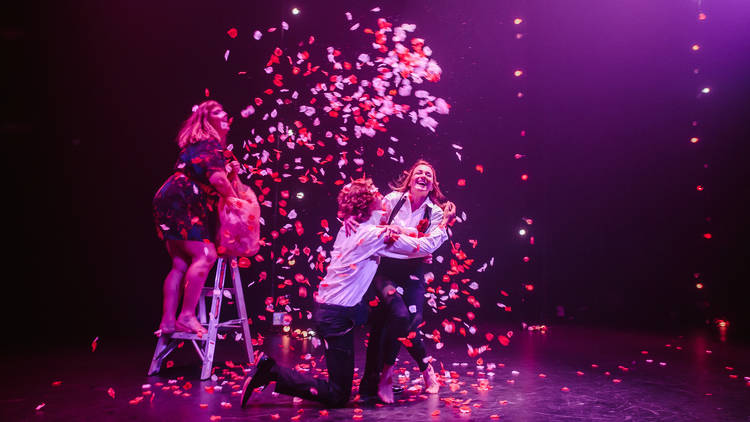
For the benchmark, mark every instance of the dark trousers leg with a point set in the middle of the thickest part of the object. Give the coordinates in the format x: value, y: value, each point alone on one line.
x: 335, y: 391
x: 414, y: 301
x: 396, y: 324
x: 374, y: 357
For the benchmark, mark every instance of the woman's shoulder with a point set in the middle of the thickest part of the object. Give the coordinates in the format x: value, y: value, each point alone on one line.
x: 393, y: 196
x: 211, y: 142
x: 203, y: 146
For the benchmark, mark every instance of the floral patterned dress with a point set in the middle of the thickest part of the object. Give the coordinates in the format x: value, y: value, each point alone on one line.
x: 185, y: 205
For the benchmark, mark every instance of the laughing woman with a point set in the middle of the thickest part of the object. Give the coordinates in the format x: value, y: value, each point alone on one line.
x: 416, y: 202
x: 185, y: 212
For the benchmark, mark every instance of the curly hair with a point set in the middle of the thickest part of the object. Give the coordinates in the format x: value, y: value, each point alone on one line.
x: 401, y: 184
x: 355, y: 199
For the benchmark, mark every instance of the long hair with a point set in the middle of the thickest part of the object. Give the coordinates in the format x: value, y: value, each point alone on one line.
x: 355, y: 199
x: 197, y: 127
x: 401, y: 184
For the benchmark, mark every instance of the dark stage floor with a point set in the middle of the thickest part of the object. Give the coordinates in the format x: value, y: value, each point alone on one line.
x: 566, y: 374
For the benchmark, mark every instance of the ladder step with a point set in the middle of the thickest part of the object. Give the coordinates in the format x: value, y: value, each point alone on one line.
x: 187, y: 336
x: 209, y: 291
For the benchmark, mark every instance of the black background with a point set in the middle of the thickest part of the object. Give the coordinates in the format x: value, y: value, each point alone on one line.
x: 95, y: 93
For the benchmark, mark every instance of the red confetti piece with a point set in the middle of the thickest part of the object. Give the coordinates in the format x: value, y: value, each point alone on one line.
x: 111, y: 392
x: 232, y: 33
x: 461, y: 182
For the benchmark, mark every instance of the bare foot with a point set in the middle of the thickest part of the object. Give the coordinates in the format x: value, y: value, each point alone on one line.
x: 385, y: 386
x: 167, y: 326
x: 190, y: 324
x: 431, y: 383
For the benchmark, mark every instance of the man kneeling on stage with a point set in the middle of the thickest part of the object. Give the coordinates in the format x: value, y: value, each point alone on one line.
x: 339, y: 307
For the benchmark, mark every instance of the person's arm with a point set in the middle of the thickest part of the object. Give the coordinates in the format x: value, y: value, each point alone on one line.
x: 407, y: 247
x: 426, y: 244
x: 234, y: 172
x: 219, y: 181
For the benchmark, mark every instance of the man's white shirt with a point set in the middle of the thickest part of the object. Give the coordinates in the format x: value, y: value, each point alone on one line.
x: 355, y: 259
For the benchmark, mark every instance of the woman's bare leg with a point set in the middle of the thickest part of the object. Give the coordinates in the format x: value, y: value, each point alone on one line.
x: 385, y: 386
x: 431, y: 383
x: 172, y: 283
x: 202, y: 258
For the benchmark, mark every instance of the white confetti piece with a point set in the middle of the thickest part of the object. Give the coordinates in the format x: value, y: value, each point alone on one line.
x: 247, y: 111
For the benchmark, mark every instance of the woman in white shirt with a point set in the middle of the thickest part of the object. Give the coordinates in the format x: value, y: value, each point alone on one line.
x: 339, y: 307
x: 417, y: 203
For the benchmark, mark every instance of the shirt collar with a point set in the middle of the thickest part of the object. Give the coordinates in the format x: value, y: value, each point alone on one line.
x: 427, y: 203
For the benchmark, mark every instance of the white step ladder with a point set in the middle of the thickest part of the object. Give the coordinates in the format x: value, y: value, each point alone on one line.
x: 167, y: 343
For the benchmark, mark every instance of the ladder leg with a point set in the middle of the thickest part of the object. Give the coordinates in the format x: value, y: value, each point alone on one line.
x: 242, y: 312
x: 202, y: 310
x: 213, y: 318
x: 163, y: 347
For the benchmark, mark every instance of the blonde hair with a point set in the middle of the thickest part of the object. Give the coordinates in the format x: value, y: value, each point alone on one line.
x: 197, y: 127
x: 401, y: 184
